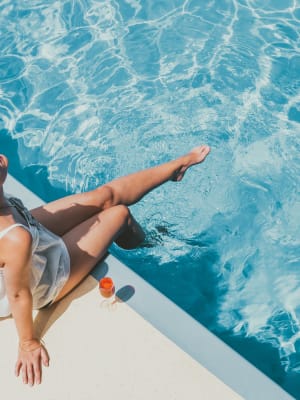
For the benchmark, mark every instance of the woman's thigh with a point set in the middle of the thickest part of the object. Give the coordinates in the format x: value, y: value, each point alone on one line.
x: 60, y: 216
x: 88, y: 242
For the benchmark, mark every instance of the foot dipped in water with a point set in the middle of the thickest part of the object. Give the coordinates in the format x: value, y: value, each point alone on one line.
x: 195, y: 156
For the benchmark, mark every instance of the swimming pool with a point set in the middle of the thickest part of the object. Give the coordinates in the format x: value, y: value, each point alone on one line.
x: 90, y: 90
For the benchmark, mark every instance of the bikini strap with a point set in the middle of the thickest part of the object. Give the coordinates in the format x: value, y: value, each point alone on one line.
x: 18, y: 204
x: 9, y: 228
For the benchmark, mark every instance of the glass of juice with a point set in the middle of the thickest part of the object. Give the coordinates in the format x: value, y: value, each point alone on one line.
x: 106, y: 287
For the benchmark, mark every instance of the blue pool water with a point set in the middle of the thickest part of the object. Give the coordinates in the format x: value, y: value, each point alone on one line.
x: 90, y: 90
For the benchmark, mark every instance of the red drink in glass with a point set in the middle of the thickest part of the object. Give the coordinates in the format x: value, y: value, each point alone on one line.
x: 106, y: 287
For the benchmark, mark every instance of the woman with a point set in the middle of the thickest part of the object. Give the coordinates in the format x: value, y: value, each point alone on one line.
x: 46, y: 252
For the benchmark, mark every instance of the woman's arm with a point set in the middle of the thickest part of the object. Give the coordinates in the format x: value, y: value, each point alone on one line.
x: 16, y: 253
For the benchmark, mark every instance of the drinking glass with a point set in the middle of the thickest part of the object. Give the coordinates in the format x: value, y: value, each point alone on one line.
x: 107, y: 287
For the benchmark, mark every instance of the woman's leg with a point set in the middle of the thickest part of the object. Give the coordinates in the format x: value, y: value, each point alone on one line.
x: 63, y: 215
x: 131, y: 188
x: 88, y: 242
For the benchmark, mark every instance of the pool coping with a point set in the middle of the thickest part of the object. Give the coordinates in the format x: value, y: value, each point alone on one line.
x: 174, y: 323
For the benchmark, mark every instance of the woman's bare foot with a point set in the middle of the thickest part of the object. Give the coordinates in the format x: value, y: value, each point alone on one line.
x: 195, y: 156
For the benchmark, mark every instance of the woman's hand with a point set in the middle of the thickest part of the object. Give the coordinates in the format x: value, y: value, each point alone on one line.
x: 32, y: 355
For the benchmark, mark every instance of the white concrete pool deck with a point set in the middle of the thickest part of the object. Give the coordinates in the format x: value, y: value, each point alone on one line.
x: 139, y: 349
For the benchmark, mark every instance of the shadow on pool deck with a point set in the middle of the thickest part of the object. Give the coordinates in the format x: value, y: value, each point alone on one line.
x: 46, y: 317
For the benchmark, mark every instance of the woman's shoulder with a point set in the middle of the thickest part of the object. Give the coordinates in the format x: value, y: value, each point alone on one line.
x: 16, y: 243
x: 16, y: 234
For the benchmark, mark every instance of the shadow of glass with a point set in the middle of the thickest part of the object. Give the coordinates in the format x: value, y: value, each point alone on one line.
x: 121, y: 296
x: 124, y: 294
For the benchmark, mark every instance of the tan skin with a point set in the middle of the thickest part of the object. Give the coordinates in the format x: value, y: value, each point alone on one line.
x: 88, y: 223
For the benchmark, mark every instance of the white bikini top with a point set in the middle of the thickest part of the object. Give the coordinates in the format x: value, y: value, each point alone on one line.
x: 9, y: 228
x: 4, y: 305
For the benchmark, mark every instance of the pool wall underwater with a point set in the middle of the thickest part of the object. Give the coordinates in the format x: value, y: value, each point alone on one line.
x: 177, y: 325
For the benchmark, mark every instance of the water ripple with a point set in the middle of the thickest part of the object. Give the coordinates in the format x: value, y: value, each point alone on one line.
x: 11, y: 68
x: 94, y: 89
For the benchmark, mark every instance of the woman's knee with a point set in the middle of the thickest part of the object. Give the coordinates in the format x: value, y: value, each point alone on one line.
x: 105, y: 196
x: 118, y: 215
x: 123, y: 213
